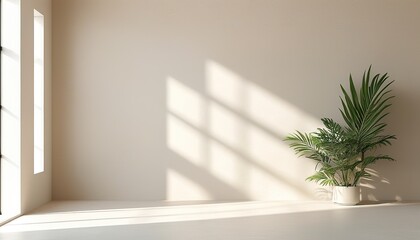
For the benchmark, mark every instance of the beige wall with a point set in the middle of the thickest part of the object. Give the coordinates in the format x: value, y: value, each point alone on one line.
x: 36, y: 188
x: 181, y: 100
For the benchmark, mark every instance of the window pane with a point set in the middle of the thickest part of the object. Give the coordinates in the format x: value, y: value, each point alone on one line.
x: 38, y: 92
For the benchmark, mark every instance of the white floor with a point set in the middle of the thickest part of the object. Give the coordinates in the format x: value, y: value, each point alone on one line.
x: 230, y: 221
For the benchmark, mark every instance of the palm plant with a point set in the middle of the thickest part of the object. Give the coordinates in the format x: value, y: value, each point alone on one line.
x: 344, y: 152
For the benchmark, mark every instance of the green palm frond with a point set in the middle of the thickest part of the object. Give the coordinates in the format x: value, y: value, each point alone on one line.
x: 361, y: 173
x: 365, y: 111
x: 340, y: 151
x: 306, y: 144
x: 333, y: 132
x: 372, y: 159
x: 325, y: 176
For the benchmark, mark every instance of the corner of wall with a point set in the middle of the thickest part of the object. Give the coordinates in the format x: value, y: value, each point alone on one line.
x: 36, y: 188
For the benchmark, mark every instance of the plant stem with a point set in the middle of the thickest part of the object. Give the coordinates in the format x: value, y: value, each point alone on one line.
x: 344, y: 177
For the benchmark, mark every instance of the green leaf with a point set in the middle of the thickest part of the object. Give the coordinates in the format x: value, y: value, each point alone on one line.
x: 340, y: 149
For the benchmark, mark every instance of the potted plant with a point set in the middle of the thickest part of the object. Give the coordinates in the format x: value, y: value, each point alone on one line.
x: 343, y: 152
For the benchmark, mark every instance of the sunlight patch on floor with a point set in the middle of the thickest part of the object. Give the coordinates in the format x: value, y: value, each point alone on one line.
x: 157, y: 214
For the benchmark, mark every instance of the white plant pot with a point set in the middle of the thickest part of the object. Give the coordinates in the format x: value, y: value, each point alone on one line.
x: 346, y: 195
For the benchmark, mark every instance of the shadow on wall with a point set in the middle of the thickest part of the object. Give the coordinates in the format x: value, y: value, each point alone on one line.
x: 228, y: 141
x: 385, y: 183
x: 369, y: 186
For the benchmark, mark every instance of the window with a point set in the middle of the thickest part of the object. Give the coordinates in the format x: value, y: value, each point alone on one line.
x: 38, y: 92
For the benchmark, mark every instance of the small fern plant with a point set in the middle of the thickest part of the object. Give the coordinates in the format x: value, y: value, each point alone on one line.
x: 343, y: 153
